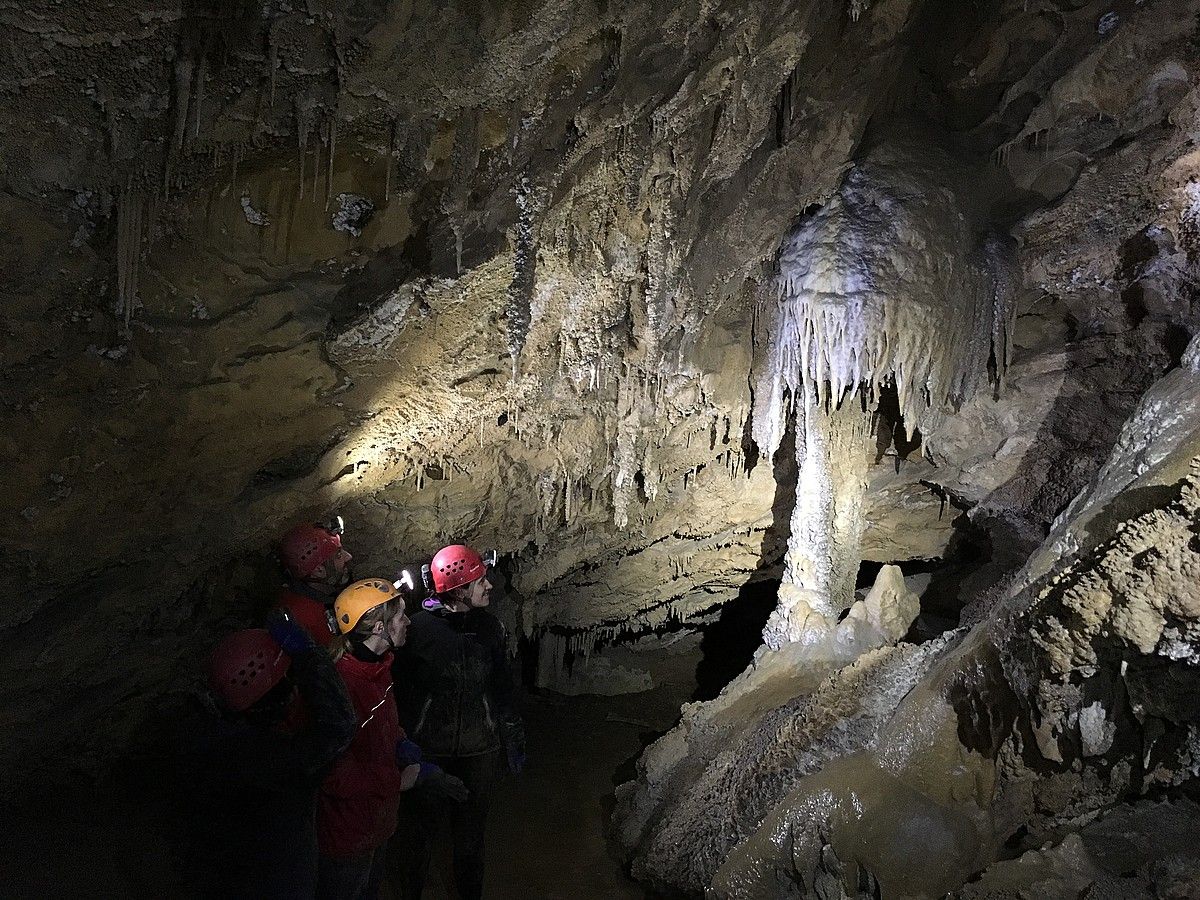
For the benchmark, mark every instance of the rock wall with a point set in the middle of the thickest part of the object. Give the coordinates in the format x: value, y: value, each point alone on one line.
x: 452, y: 270
x: 1016, y: 460
x: 494, y: 272
x: 1027, y: 725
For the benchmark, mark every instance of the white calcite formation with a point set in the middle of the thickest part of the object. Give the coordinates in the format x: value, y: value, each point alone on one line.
x: 887, y: 286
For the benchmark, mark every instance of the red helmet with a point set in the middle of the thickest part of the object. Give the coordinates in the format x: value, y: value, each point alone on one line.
x: 245, y: 666
x: 307, y: 546
x: 455, y: 566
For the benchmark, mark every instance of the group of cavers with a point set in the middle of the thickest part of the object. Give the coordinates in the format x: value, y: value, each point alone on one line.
x: 346, y: 740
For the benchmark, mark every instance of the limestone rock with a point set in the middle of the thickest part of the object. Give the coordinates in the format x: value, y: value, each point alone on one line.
x: 884, y: 615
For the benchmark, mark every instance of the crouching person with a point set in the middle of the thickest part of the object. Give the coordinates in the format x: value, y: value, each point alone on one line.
x: 284, y: 717
x: 357, y: 810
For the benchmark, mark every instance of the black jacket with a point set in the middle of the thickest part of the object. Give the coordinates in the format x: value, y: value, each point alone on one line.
x: 453, y: 683
x: 255, y: 788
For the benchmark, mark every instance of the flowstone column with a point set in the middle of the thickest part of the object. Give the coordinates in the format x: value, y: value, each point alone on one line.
x: 888, y: 285
x: 826, y: 527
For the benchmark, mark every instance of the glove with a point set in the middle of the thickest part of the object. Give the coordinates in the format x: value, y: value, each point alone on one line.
x: 512, y: 736
x: 288, y: 634
x: 438, y: 785
x: 516, y: 758
x: 407, y: 753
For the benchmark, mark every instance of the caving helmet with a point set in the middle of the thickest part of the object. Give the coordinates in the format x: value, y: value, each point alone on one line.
x: 457, y: 565
x: 352, y: 603
x: 306, y: 547
x: 245, y: 666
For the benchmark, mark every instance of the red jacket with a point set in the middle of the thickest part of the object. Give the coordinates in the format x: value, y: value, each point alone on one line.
x: 309, y: 611
x: 357, y: 806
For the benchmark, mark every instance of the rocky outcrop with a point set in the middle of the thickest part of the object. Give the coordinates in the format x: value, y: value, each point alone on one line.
x: 1146, y: 849
x: 1035, y: 720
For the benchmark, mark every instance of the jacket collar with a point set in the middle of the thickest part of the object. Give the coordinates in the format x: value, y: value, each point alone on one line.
x: 365, y: 669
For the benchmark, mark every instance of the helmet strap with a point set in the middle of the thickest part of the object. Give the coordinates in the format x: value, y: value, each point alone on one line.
x: 360, y: 650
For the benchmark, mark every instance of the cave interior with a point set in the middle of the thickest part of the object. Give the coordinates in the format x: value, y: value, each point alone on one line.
x: 824, y: 374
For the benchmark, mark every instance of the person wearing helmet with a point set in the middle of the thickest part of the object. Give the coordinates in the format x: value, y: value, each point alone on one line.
x: 316, y: 567
x: 456, y: 699
x: 357, y: 808
x: 257, y: 757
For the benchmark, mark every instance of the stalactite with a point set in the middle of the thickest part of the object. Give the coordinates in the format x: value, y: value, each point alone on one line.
x: 198, y: 93
x: 848, y: 319
x: 333, y: 125
x: 303, y: 113
x: 272, y: 64
x: 129, y: 248
x: 625, y: 459
x: 185, y: 69
x: 390, y: 158
x: 520, y: 291
x: 1000, y: 252
x: 316, y: 179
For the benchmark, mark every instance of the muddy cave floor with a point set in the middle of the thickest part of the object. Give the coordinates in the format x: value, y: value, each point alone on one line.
x: 545, y: 831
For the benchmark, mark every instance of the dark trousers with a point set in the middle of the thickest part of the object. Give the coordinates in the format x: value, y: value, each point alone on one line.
x: 424, y: 821
x: 351, y: 878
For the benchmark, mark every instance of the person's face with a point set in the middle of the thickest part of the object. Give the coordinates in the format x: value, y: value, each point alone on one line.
x: 397, y: 627
x: 479, y: 593
x: 336, y: 571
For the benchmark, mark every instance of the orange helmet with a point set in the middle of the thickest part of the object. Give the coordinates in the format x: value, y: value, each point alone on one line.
x: 361, y: 596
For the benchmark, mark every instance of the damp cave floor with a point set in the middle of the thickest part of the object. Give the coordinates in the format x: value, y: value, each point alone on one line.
x: 546, y: 828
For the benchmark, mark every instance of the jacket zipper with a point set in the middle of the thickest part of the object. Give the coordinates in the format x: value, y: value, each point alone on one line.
x: 458, y: 712
x: 421, y: 718
x: 487, y: 711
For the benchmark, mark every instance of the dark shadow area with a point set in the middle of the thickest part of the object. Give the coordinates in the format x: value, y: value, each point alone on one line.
x: 890, y: 430
x: 729, y: 643
x: 953, y: 580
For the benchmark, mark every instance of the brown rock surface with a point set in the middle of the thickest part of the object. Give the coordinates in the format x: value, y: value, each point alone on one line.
x: 495, y: 272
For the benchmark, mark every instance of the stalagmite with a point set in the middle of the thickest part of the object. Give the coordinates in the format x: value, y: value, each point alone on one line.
x: 822, y: 557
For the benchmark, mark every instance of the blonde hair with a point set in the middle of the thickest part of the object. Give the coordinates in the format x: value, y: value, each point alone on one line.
x: 340, y: 645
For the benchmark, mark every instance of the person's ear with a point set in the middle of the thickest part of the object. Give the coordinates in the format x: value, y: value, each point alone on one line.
x: 319, y: 572
x: 378, y: 627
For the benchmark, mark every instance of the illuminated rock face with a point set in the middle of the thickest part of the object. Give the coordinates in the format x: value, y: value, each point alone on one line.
x: 961, y: 741
x: 496, y: 272
x: 889, y: 285
x: 484, y: 279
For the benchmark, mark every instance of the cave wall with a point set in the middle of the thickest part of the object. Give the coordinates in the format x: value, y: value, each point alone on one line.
x: 448, y: 269
x: 1105, y: 306
x: 495, y: 271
